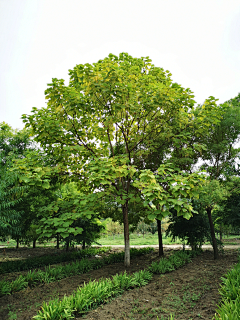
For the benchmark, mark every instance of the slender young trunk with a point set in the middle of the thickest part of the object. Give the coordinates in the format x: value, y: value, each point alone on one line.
x: 160, y: 243
x: 214, y: 242
x: 17, y: 244
x: 67, y: 245
x: 221, y: 234
x: 126, y: 235
x: 58, y: 240
x: 83, y: 245
x: 34, y: 244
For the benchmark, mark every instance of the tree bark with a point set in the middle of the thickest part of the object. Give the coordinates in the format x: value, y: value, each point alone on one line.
x: 67, y: 245
x: 58, y: 240
x: 160, y: 243
x: 34, y: 244
x: 17, y: 244
x: 214, y: 242
x: 83, y: 245
x: 126, y: 235
x: 220, y: 233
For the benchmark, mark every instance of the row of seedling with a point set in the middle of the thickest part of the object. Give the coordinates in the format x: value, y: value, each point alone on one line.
x: 229, y: 308
x: 94, y: 293
x: 51, y: 274
x: 38, y: 262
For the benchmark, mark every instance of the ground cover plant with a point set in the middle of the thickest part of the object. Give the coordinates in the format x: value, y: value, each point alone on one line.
x: 50, y: 274
x: 191, y: 292
x: 94, y: 293
x: 229, y: 309
x: 185, y: 293
x: 37, y: 262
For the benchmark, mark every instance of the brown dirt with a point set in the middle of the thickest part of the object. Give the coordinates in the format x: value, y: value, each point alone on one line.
x: 25, y: 253
x: 190, y: 292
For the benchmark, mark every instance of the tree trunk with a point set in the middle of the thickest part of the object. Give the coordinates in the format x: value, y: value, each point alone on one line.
x: 34, y: 244
x: 160, y: 243
x: 83, y: 245
x: 214, y: 242
x: 17, y: 244
x: 126, y: 235
x: 67, y: 245
x: 58, y: 240
x: 221, y: 234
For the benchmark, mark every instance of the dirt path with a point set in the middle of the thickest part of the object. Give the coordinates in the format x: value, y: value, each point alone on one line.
x: 174, y: 246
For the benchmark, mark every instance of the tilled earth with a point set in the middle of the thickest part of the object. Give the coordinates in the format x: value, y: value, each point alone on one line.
x: 190, y: 292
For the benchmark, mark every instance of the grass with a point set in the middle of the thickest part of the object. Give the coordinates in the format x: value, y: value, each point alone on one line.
x: 135, y: 239
x: 149, y: 239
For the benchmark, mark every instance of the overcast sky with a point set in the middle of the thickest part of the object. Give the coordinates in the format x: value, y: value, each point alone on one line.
x: 198, y: 41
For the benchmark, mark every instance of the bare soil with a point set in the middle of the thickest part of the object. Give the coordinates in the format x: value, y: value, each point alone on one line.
x: 190, y: 292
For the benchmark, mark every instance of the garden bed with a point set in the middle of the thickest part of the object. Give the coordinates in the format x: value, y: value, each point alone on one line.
x: 190, y: 292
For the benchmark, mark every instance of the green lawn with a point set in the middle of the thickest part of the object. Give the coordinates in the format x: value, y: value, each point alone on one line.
x: 148, y: 239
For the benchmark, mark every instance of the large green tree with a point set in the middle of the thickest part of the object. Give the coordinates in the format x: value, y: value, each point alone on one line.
x: 110, y: 114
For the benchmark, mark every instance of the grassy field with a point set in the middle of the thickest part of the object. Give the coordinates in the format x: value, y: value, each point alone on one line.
x: 148, y: 239
x: 135, y: 239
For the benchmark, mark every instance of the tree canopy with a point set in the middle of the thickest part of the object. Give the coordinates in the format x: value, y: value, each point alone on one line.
x: 113, y: 113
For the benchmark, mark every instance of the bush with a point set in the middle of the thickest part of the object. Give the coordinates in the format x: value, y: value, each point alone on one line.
x: 37, y: 262
x: 33, y: 278
x: 194, y: 231
x: 229, y: 308
x: 95, y: 293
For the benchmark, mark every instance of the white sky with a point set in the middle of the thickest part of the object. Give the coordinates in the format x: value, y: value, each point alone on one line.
x: 198, y: 41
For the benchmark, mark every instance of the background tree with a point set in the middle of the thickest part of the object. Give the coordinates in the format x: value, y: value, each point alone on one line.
x: 220, y: 156
x: 193, y: 232
x: 166, y: 190
x: 142, y: 228
x: 227, y: 214
x: 13, y: 145
x: 221, y: 141
x: 62, y: 218
x: 113, y: 227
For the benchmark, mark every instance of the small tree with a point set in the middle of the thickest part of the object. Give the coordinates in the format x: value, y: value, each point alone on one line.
x: 194, y: 231
x: 142, y: 228
x: 113, y: 227
x: 166, y: 190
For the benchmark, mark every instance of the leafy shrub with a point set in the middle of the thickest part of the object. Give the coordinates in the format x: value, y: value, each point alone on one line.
x: 33, y: 278
x: 91, y: 295
x: 5, y: 288
x: 37, y: 262
x: 94, y: 293
x: 162, y: 266
x: 177, y: 260
x: 229, y: 308
x: 194, y: 231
